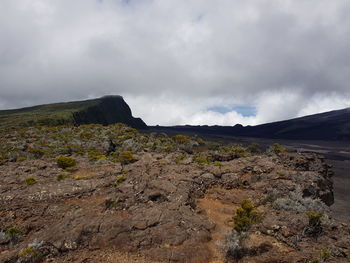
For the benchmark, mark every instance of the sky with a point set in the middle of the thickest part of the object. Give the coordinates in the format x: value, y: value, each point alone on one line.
x: 179, y: 61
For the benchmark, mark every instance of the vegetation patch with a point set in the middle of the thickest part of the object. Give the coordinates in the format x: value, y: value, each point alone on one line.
x: 276, y: 148
x: 61, y: 177
x: 246, y: 216
x: 12, y: 232
x: 119, y: 180
x: 30, y: 181
x: 65, y: 162
x: 125, y: 157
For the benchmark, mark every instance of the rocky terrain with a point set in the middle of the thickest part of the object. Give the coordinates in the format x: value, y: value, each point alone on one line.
x: 111, y: 194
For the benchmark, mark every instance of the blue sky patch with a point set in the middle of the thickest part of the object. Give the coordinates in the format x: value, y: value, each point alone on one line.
x: 244, y: 110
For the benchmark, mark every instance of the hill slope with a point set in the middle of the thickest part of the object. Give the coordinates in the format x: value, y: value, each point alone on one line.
x: 105, y: 110
x: 333, y: 125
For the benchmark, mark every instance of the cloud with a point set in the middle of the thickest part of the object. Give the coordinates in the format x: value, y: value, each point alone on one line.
x: 174, y: 61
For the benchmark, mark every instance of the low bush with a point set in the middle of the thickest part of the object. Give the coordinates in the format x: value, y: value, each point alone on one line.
x: 254, y: 148
x: 110, y: 203
x: 125, y: 157
x: 65, y: 162
x: 314, y: 227
x: 276, y: 148
x: 119, y: 180
x: 30, y: 180
x: 12, y: 232
x: 61, y: 177
x: 37, y: 152
x: 325, y: 254
x: 20, y: 159
x: 296, y: 202
x: 246, y: 216
x: 29, y: 254
x: 181, y: 139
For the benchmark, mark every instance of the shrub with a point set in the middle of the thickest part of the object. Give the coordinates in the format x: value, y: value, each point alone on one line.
x: 29, y: 253
x: 181, y: 139
x: 314, y: 218
x: 314, y: 228
x: 97, y: 157
x: 61, y: 177
x: 201, y: 158
x: 20, y: 159
x: 30, y: 180
x: 296, y: 202
x: 246, y: 216
x: 119, y: 180
x: 217, y: 163
x: 276, y: 148
x: 37, y: 152
x: 239, y: 152
x: 66, y: 162
x: 348, y: 256
x: 254, y: 148
x: 125, y: 157
x: 325, y: 255
x: 12, y: 232
x: 180, y: 157
x: 110, y: 203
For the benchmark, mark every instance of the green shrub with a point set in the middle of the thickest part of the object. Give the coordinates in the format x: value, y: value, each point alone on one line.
x: 239, y: 152
x: 314, y: 218
x: 181, y: 139
x: 314, y: 228
x: 20, y: 159
x: 37, y: 152
x: 325, y: 255
x: 246, y: 216
x: 180, y: 157
x: 201, y: 158
x: 254, y: 148
x: 30, y: 180
x: 66, y: 162
x: 276, y: 148
x: 28, y: 253
x: 110, y: 203
x: 119, y: 180
x: 348, y: 256
x: 97, y: 157
x: 12, y: 232
x: 61, y: 177
x: 125, y: 157
x: 217, y: 163
x: 281, y: 174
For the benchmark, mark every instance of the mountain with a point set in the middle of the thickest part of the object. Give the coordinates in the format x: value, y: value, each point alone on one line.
x: 333, y: 125
x: 105, y: 110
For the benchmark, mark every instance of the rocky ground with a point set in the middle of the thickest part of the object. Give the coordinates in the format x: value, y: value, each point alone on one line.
x: 169, y: 207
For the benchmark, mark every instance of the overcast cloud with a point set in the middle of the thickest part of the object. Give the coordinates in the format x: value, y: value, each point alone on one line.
x: 176, y: 61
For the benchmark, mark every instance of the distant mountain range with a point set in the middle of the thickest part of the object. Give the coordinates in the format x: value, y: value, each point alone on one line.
x: 333, y: 125
x: 105, y: 110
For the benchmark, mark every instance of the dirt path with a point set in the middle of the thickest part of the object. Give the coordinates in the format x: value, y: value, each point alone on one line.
x: 220, y: 213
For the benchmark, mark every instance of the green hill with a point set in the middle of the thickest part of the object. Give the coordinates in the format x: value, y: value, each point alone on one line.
x: 105, y: 110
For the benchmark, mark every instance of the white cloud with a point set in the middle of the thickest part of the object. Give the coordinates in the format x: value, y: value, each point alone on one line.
x: 173, y: 60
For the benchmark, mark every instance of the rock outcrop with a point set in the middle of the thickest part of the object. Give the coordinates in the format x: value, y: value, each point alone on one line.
x: 108, y: 110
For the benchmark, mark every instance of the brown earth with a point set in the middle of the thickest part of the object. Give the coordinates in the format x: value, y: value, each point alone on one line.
x: 165, y: 211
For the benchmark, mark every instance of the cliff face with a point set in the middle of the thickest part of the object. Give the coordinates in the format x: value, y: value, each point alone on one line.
x: 105, y: 110
x: 108, y: 110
